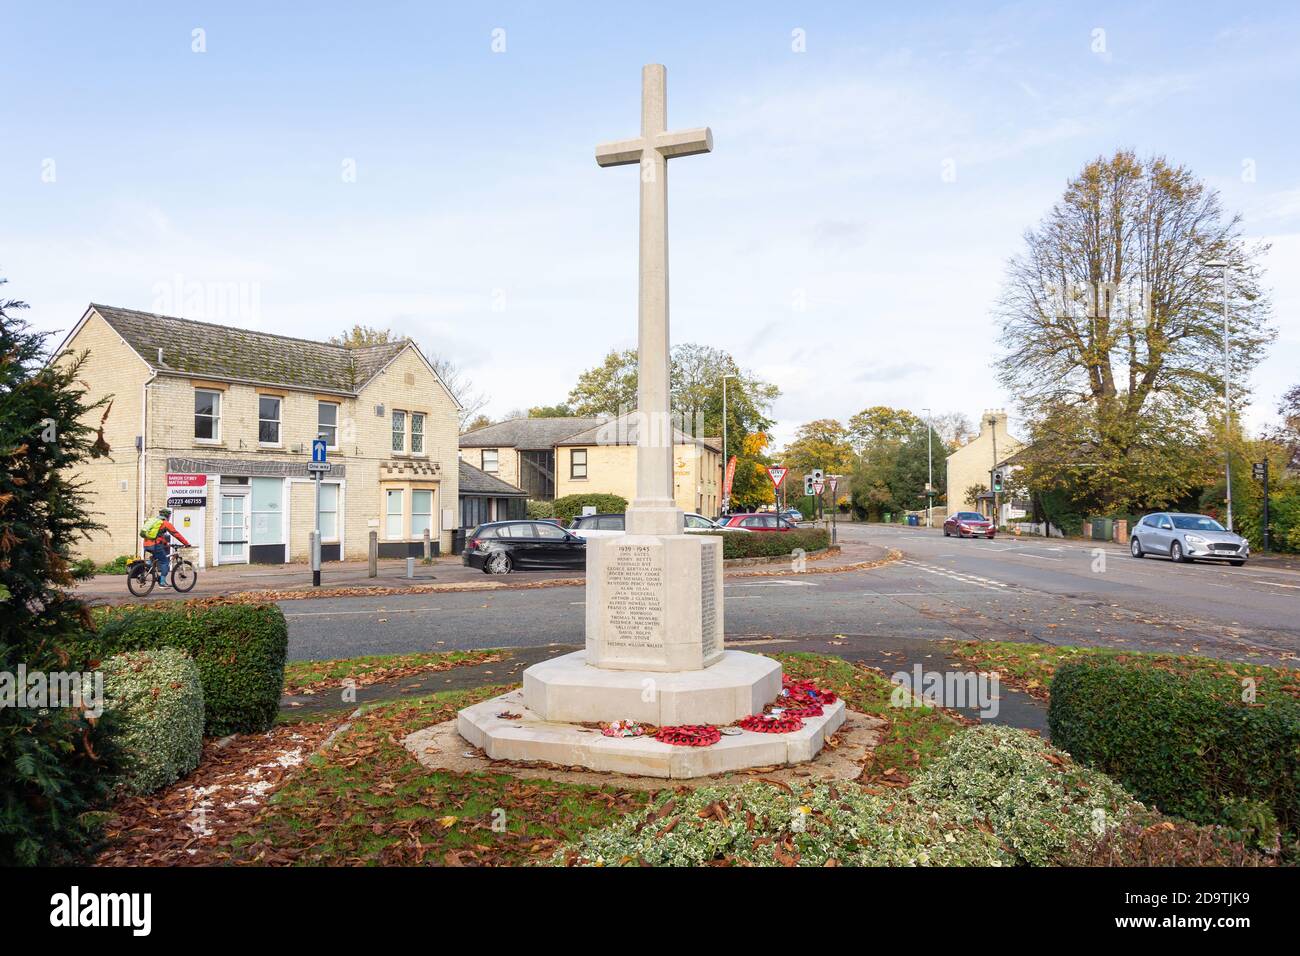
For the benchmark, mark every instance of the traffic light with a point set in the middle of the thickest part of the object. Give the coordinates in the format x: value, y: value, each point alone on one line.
x: 808, y: 485
x: 997, y: 481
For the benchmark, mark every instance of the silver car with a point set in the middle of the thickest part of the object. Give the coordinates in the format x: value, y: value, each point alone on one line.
x: 1184, y: 537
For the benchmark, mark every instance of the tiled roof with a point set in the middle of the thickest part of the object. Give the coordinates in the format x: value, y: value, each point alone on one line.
x: 474, y: 481
x: 623, y: 431
x: 527, y: 434
x: 184, y: 346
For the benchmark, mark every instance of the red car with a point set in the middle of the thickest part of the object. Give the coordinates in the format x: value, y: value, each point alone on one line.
x: 756, y: 522
x: 969, y: 524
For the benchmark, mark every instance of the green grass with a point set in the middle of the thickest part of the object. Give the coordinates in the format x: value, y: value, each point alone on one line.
x: 1031, y: 666
x: 914, y: 734
x: 367, y: 801
x: 306, y: 677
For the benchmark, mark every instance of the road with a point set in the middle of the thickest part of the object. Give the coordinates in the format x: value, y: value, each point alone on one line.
x: 1008, y: 589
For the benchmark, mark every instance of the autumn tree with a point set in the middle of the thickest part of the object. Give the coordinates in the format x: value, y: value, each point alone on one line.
x: 696, y: 382
x: 823, y: 443
x: 881, y: 425
x: 1112, y: 331
x: 551, y: 411
x: 751, y: 486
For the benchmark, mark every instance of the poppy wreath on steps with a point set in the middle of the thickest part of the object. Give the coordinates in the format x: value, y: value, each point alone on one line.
x: 689, y: 735
x: 812, y: 709
x: 805, y: 691
x: 762, y: 724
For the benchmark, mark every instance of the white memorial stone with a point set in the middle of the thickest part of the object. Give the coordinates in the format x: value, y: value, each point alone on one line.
x: 654, y: 609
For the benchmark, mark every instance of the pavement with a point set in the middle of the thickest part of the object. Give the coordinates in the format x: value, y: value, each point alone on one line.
x: 444, y: 573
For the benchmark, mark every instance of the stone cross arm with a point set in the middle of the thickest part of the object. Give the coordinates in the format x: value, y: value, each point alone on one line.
x: 688, y: 142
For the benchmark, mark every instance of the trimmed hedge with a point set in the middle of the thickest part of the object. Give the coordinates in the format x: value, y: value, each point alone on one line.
x: 1186, y: 743
x: 239, y: 650
x: 157, y: 698
x: 769, y: 544
x: 570, y: 506
x: 996, y: 796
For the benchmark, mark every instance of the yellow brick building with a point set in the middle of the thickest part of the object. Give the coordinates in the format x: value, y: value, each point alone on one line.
x: 218, y: 423
x: 973, y: 464
x: 555, y: 457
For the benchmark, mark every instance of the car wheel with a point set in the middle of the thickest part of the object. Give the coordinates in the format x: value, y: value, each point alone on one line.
x: 1135, y: 548
x: 498, y: 563
x: 1176, y: 552
x: 945, y: 532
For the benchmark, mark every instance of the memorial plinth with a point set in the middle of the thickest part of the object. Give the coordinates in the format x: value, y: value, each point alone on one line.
x: 654, y: 602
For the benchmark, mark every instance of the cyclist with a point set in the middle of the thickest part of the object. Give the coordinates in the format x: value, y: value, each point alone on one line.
x: 156, y: 542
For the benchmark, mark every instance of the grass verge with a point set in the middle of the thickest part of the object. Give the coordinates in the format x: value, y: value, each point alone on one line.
x: 1030, y: 667
x: 310, y: 677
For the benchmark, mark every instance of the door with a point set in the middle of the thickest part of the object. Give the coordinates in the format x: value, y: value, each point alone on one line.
x: 232, y: 533
x: 1164, y: 536
x: 555, y: 548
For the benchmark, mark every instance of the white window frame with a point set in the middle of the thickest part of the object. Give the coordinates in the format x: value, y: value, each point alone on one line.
x: 389, y: 515
x: 279, y: 421
x: 215, y: 416
x: 420, y: 417
x: 398, y: 446
x: 496, y: 461
x: 338, y: 503
x: 338, y: 408
x: 433, y: 511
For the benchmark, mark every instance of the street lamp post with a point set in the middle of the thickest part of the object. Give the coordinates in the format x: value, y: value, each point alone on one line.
x: 726, y: 498
x: 1227, y: 400
x: 929, y: 466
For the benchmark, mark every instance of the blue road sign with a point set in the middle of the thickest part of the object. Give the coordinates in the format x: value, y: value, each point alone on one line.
x: 318, y: 449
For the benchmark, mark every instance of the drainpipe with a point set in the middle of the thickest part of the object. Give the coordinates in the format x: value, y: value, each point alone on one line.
x: 141, y: 479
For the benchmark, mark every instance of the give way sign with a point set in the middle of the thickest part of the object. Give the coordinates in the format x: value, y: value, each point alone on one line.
x: 777, y: 474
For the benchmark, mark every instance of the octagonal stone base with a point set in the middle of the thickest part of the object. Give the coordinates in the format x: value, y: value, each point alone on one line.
x: 523, y: 736
x: 568, y: 690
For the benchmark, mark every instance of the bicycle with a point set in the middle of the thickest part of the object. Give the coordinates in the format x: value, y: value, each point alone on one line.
x: 142, y: 574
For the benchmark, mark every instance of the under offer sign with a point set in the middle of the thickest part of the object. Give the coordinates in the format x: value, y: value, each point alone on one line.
x: 187, y: 491
x: 777, y: 474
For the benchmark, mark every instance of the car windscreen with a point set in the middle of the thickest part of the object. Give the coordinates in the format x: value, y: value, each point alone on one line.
x: 969, y: 516
x: 1196, y: 523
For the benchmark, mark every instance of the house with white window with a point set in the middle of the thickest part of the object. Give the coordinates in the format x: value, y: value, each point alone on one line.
x: 554, y: 457
x: 217, y: 423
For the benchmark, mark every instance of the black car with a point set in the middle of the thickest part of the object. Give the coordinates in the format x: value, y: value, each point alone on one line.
x: 504, y: 546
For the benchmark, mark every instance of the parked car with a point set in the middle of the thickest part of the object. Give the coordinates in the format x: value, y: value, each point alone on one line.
x: 755, y: 522
x: 1187, y: 537
x: 500, y: 547
x: 598, y: 526
x: 606, y: 525
x: 792, y: 515
x: 969, y: 524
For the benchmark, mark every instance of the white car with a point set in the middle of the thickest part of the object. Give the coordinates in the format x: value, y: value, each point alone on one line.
x: 608, y: 525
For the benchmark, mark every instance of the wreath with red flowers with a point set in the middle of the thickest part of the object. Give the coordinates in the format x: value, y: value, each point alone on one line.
x: 805, y: 691
x: 763, y: 724
x: 689, y: 735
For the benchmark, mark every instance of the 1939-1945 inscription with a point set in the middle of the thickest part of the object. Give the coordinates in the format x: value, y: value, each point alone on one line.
x: 634, y: 583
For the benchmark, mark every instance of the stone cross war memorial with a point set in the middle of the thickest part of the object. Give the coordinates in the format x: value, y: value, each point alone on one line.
x: 654, y: 649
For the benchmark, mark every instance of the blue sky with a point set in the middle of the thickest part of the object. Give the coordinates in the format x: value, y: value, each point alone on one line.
x: 821, y: 242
